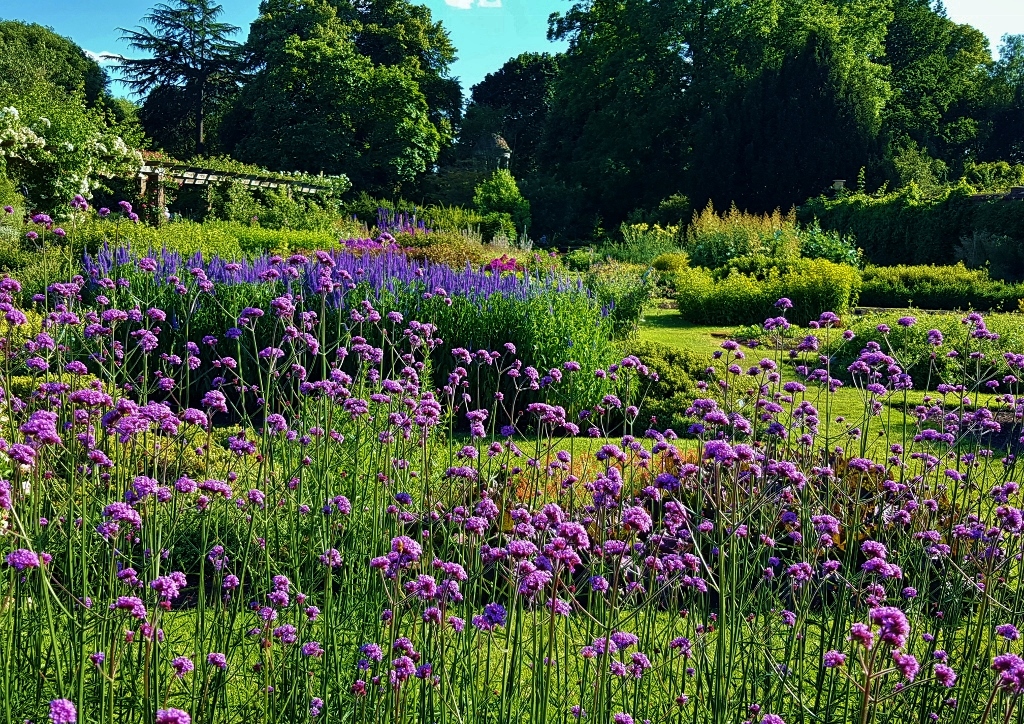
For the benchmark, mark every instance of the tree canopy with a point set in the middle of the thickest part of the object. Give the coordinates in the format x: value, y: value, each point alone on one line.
x: 360, y: 88
x: 513, y: 101
x: 190, y: 66
x: 758, y: 102
x: 60, y: 131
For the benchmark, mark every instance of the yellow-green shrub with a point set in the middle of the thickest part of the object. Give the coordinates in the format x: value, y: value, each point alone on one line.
x: 672, y: 262
x: 813, y: 286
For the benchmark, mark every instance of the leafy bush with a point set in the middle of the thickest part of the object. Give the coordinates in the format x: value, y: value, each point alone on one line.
x: 446, y: 247
x: 924, y: 362
x: 673, y: 210
x: 9, y: 195
x: 717, y: 241
x: 276, y: 209
x: 500, y: 195
x: 498, y: 224
x: 713, y: 240
x: 579, y: 259
x: 994, y: 175
x: 62, y: 135
x: 622, y: 290
x: 671, y: 262
x: 664, y: 402
x: 227, y: 239
x: 643, y: 243
x: 1000, y: 255
x: 937, y: 287
x: 451, y: 218
x: 813, y: 286
x: 816, y: 243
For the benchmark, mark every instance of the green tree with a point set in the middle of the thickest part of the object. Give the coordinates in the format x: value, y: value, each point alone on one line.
x: 513, y: 101
x: 1006, y: 140
x: 402, y: 34
x: 804, y: 119
x: 316, y: 102
x: 619, y: 105
x: 190, y: 52
x: 31, y: 53
x: 60, y: 133
x: 500, y: 195
x: 939, y: 79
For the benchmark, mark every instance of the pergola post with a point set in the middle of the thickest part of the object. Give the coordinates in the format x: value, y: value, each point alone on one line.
x: 160, y: 195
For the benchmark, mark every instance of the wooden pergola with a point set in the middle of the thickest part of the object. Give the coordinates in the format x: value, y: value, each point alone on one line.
x: 152, y: 174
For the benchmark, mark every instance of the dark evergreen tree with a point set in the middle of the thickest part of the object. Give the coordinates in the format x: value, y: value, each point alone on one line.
x: 190, y: 50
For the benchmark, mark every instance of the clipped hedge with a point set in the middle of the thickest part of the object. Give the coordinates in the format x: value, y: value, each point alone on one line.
x: 903, y: 227
x: 937, y: 287
x: 813, y: 286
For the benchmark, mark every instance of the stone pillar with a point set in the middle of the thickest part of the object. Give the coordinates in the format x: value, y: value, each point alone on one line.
x: 160, y: 203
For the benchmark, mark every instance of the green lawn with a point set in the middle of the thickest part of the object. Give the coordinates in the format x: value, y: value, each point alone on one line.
x: 665, y: 326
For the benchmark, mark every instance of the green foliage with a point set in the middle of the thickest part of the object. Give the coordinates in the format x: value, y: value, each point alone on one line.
x: 190, y: 68
x: 665, y: 401
x: 941, y: 85
x: 456, y: 249
x: 59, y: 134
x: 674, y: 210
x: 813, y: 285
x: 810, y: 113
x: 671, y: 262
x: 500, y: 195
x: 454, y: 219
x: 761, y: 104
x: 512, y: 101
x: 905, y: 227
x: 271, y: 208
x: 994, y: 176
x: 9, y: 195
x: 818, y: 244
x: 911, y: 347
x: 1007, y: 114
x: 643, y: 243
x: 450, y: 186
x: 937, y: 287
x: 623, y: 290
x: 579, y: 260
x: 498, y: 224
x: 227, y: 239
x: 714, y: 240
x: 451, y: 218
x: 31, y: 54
x: 338, y: 89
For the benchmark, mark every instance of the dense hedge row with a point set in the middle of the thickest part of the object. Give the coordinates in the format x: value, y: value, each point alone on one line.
x: 813, y: 285
x: 937, y: 287
x: 905, y: 228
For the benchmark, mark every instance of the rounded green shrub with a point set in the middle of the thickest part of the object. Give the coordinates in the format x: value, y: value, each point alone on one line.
x: 671, y: 262
x: 664, y: 401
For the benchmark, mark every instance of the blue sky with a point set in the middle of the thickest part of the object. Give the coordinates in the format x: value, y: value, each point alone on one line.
x: 486, y: 32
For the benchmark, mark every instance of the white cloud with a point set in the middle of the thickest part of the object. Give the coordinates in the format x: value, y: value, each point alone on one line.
x: 103, y: 58
x: 488, y: 3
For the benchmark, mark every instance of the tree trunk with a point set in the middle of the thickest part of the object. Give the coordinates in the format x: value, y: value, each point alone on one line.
x: 201, y: 119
